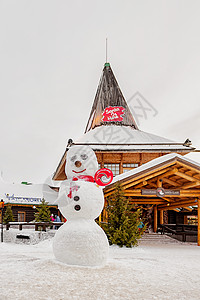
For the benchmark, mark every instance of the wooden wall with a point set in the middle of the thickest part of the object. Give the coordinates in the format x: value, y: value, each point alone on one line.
x: 126, y: 157
x: 29, y: 212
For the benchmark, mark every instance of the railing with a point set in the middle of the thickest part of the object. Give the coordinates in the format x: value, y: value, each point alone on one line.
x: 179, y: 229
x: 35, y: 225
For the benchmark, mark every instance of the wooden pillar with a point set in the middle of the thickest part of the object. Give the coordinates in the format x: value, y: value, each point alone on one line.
x: 141, y: 159
x: 105, y: 213
x: 161, y: 217
x: 185, y: 220
x: 121, y: 165
x: 198, y: 232
x: 155, y: 215
x: 102, y: 161
x: 159, y: 183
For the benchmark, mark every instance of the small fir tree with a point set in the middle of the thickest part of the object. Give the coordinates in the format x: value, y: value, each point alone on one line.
x: 43, y: 213
x: 123, y: 220
x: 8, y: 215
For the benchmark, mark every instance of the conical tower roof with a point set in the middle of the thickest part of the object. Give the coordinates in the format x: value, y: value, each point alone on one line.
x: 109, y: 107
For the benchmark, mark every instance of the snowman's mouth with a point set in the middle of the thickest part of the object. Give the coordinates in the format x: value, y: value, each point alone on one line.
x: 79, y: 171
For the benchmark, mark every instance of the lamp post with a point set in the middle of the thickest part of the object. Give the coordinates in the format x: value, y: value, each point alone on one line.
x: 2, y: 206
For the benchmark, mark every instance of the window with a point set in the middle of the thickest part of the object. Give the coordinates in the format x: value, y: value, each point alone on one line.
x: 192, y: 220
x: 113, y: 167
x: 21, y: 216
x: 128, y: 167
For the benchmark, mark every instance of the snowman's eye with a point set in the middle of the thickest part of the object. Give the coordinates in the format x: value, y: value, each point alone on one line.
x: 84, y: 156
x: 73, y: 158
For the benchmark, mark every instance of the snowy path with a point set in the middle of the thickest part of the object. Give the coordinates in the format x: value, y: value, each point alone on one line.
x: 147, y: 272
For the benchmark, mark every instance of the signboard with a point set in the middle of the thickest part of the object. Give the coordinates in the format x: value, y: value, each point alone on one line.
x: 113, y: 114
x: 160, y: 192
x: 23, y: 200
x: 148, y: 192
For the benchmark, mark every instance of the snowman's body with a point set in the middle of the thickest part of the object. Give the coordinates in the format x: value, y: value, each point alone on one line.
x: 80, y: 241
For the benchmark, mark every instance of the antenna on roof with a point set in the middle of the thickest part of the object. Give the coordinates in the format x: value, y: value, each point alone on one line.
x: 106, y: 50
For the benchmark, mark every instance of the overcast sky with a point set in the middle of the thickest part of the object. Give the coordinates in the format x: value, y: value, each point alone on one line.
x: 52, y: 56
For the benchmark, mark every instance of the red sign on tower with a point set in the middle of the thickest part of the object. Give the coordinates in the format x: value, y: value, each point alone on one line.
x: 113, y: 114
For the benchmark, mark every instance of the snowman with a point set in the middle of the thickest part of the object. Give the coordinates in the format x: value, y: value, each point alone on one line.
x: 81, y: 241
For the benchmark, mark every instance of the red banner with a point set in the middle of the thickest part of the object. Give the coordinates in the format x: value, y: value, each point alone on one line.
x: 113, y: 114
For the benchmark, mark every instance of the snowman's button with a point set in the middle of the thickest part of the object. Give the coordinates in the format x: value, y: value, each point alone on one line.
x: 77, y: 207
x: 76, y: 198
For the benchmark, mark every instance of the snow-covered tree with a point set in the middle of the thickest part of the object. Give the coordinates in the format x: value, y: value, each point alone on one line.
x: 124, y: 219
x: 8, y: 215
x: 43, y: 213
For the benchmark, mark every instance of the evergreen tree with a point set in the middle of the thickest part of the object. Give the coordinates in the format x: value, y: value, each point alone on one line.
x: 43, y: 213
x: 123, y: 220
x: 8, y: 215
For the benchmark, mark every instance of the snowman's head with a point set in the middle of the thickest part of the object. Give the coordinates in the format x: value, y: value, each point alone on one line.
x: 81, y: 160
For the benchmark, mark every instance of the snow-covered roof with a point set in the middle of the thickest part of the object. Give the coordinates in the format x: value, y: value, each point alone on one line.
x: 21, y: 193
x: 154, y: 164
x: 126, y: 138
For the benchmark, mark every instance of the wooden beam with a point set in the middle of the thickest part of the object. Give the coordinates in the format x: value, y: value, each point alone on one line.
x: 174, y: 183
x: 177, y: 204
x: 133, y: 193
x: 159, y: 183
x: 152, y: 184
x: 198, y: 232
x: 190, y: 185
x: 131, y: 182
x: 188, y: 208
x: 189, y: 167
x: 102, y: 162
x: 155, y: 217
x: 168, y: 173
x: 185, y: 176
x: 183, y: 193
x: 161, y: 217
x: 166, y: 199
x: 189, y: 193
x: 121, y: 164
x: 143, y: 201
x: 143, y: 183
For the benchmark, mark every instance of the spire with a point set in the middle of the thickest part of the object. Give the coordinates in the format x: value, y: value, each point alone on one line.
x: 109, y: 107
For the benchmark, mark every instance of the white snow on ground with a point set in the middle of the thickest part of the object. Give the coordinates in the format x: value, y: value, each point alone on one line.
x: 145, y: 272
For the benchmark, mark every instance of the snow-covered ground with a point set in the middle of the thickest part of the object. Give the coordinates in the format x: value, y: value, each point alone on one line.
x: 170, y: 271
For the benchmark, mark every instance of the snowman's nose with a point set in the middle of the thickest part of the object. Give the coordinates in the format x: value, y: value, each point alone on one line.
x: 78, y: 164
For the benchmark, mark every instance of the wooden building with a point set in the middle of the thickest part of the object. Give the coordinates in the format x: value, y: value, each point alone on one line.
x: 23, y: 199
x: 151, y: 168
x: 116, y: 139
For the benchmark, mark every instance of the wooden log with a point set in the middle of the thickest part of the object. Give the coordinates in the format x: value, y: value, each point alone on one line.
x: 177, y: 204
x: 159, y: 183
x: 185, y: 176
x: 155, y: 216
x: 161, y: 217
x: 190, y: 185
x: 131, y: 182
x: 172, y: 182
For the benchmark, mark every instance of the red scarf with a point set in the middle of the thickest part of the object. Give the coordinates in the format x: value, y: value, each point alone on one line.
x: 83, y: 177
x: 76, y: 187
